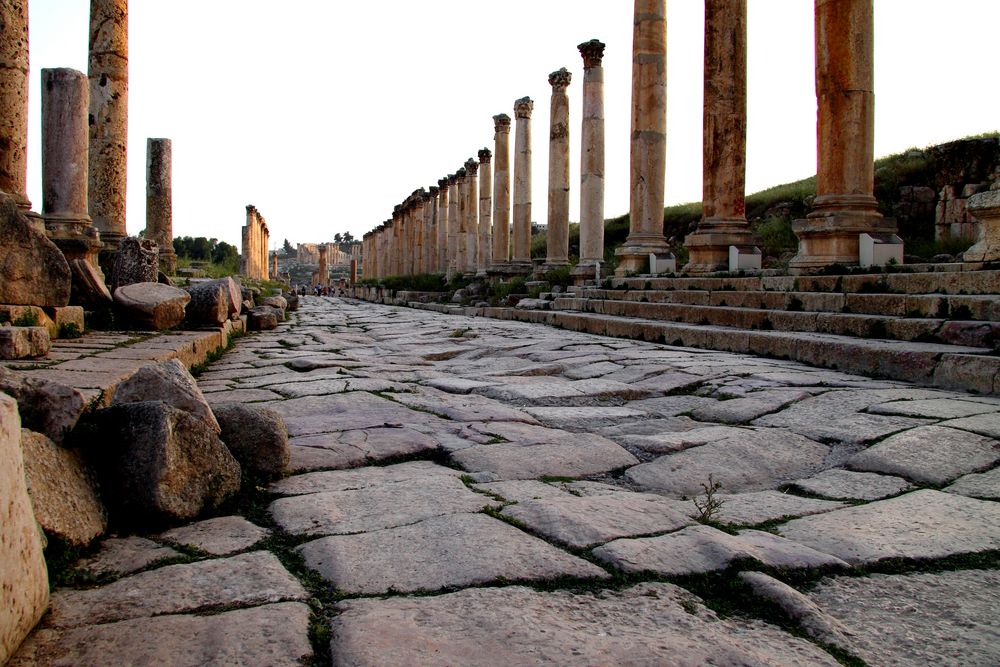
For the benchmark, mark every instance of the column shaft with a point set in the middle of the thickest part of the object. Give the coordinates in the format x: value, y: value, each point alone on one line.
x: 557, y: 234
x: 443, y: 226
x: 522, y: 184
x: 591, y: 162
x: 454, y: 223
x: 471, y: 215
x: 14, y: 100
x: 159, y: 206
x: 501, y: 189
x: 484, y: 254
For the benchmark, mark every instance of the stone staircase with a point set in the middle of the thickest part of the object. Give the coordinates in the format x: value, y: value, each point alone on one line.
x: 937, y: 325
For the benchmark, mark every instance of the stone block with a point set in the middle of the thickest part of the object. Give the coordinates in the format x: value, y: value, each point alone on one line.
x: 256, y: 436
x: 23, y: 342
x: 23, y: 574
x: 48, y: 407
x: 33, y: 271
x: 152, y: 305
x: 169, y: 382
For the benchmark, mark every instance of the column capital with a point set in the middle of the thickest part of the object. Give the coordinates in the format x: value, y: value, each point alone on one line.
x: 592, y: 52
x: 523, y: 107
x: 460, y: 174
x: 559, y: 80
x: 485, y: 154
x: 433, y: 190
x: 443, y: 183
x: 501, y: 123
x: 471, y: 167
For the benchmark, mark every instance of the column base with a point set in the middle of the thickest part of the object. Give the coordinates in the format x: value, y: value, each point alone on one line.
x: 708, y: 247
x: 986, y: 207
x: 832, y: 238
x: 75, y: 236
x: 585, y: 272
x: 633, y: 255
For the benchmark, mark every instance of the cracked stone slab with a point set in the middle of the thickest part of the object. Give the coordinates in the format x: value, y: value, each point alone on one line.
x: 934, y: 408
x: 988, y: 424
x: 346, y: 449
x: 583, y: 521
x: 376, y: 507
x: 944, y: 618
x: 323, y: 387
x: 452, y: 550
x: 748, y: 509
x: 748, y: 408
x: 757, y: 460
x: 125, y: 555
x: 667, y: 442
x: 359, y: 478
x: 555, y: 391
x: 671, y: 406
x: 850, y: 485
x: 648, y: 624
x: 699, y: 549
x: 457, y: 385
x: 579, y: 455
x: 240, y: 396
x: 521, y: 490
x: 253, y: 578
x: 220, y: 536
x: 921, y: 524
x: 275, y: 635
x: 344, y: 412
x: 580, y: 418
x: 930, y: 454
x: 978, y: 485
x: 463, y: 408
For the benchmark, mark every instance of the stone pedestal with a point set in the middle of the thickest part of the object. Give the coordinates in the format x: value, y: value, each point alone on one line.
x: 557, y: 235
x: 845, y: 205
x: 723, y: 222
x: 64, y: 165
x: 986, y: 207
x: 159, y: 205
x: 14, y: 103
x: 649, y: 138
x: 484, y: 249
x: 501, y: 191
x: 591, y: 164
x: 108, y: 74
x: 521, y: 255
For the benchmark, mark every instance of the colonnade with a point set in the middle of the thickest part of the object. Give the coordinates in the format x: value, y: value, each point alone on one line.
x: 495, y: 238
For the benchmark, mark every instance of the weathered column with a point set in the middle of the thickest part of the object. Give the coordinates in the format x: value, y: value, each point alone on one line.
x: 444, y: 225
x: 723, y: 222
x: 462, y: 215
x: 408, y: 246
x: 322, y: 272
x: 484, y: 251
x: 454, y: 221
x: 108, y: 74
x: 430, y: 230
x: 845, y: 205
x: 501, y: 190
x: 159, y: 207
x: 14, y: 102
x: 64, y: 165
x: 395, y: 246
x: 265, y: 239
x: 354, y: 271
x: 471, y: 215
x: 591, y: 163
x: 649, y: 138
x: 557, y: 234
x: 417, y: 206
x: 521, y: 259
x: 274, y: 265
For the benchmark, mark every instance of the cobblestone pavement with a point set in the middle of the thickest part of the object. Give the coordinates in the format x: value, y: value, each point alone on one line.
x: 478, y: 492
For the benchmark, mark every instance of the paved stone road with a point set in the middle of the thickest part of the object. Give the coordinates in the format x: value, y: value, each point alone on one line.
x: 536, y: 487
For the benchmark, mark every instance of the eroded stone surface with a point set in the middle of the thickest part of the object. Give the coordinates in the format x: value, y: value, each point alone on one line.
x: 647, y: 624
x: 757, y: 507
x: 219, y: 537
x: 346, y: 480
x: 850, y: 485
x: 978, y: 485
x: 453, y: 550
x: 579, y: 456
x: 125, y: 555
x: 930, y: 454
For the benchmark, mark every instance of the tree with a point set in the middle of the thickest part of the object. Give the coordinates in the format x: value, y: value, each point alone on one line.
x: 348, y: 238
x: 337, y: 238
x: 287, y: 248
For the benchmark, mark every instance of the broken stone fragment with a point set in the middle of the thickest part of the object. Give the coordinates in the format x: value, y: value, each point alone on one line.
x: 137, y: 261
x: 33, y: 271
x: 209, y: 305
x: 151, y: 305
x: 170, y: 382
x: 264, y: 318
x: 256, y: 436
x: 23, y: 342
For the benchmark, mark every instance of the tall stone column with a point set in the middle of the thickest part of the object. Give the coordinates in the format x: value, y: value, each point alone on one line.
x: 557, y: 234
x: 444, y: 225
x: 108, y: 74
x: 323, y: 272
x: 431, y: 213
x: 649, y: 138
x: 64, y: 165
x: 454, y: 222
x: 395, y: 245
x: 274, y: 265
x: 501, y: 190
x: 14, y: 102
x: 521, y: 259
x: 845, y: 205
x: 159, y: 208
x: 409, y: 244
x: 723, y: 222
x: 471, y: 215
x: 484, y: 252
x: 591, y: 163
x: 462, y: 215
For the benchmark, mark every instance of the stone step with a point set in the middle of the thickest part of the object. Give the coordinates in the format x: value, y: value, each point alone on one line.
x: 944, y: 306
x: 955, y: 367
x: 922, y: 282
x: 974, y: 333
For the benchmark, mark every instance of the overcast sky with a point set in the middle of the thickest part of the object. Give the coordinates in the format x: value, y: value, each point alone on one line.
x: 326, y: 113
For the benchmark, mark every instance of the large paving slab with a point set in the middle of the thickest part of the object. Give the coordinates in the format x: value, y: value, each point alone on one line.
x: 359, y: 478
x: 275, y: 635
x: 929, y: 454
x: 700, y: 549
x: 347, y: 449
x: 252, y: 578
x: 922, y: 524
x: 648, y: 624
x: 124, y: 555
x: 220, y: 536
x: 452, y: 550
x: 978, y: 485
x: 577, y: 456
x: 376, y: 507
x: 344, y: 412
x: 941, y: 618
x: 850, y: 485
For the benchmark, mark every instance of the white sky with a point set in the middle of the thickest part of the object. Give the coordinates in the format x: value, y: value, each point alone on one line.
x: 326, y: 113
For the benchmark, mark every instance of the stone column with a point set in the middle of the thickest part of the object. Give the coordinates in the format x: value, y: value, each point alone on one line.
x: 322, y: 272
x: 408, y: 247
x: 159, y: 208
x: 64, y: 165
x: 274, y: 265
x: 462, y: 214
x: 265, y: 239
x: 591, y: 163
x: 501, y: 190
x: 521, y: 259
x: 649, y: 138
x: 108, y: 74
x: 484, y: 251
x: 433, y: 230
x: 845, y: 205
x: 444, y: 225
x: 354, y: 271
x: 395, y: 245
x: 14, y: 102
x: 471, y: 215
x: 454, y: 221
x: 723, y: 221
x: 557, y: 234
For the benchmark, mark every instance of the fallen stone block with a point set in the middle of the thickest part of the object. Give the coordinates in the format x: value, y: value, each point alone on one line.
x: 137, y: 261
x: 256, y: 436
x: 88, y: 289
x: 24, y: 342
x: 264, y: 318
x: 48, y: 407
x: 33, y: 271
x: 209, y: 305
x: 278, y: 302
x: 170, y: 382
x: 151, y: 305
